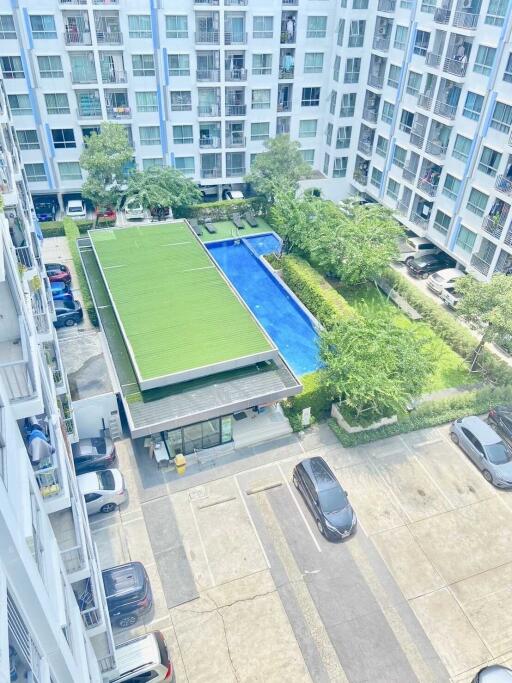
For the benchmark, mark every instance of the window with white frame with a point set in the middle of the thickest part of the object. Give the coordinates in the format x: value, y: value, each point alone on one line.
x: 340, y: 32
x: 316, y: 27
x: 35, y: 173
x: 465, y: 239
x: 182, y: 135
x: 63, y: 138
x: 352, y: 70
x: 27, y: 139
x: 501, y: 117
x: 43, y: 26
x: 139, y: 26
x: 394, y: 75
x: 176, y: 26
x: 348, y: 104
x: 262, y: 64
x: 477, y: 201
x: 489, y: 161
x: 451, y: 187
x: 70, y: 170
x: 356, y: 33
x: 7, y: 28
x: 393, y: 189
x: 56, y: 103
x: 150, y: 135
x: 473, y: 106
x: 143, y: 65
x: 376, y: 177
x: 359, y: 4
x: 12, y: 67
x: 313, y: 62
x: 307, y: 128
x: 262, y: 27
x: 332, y: 102
x: 442, y: 222
x: 179, y: 65
x: 382, y: 146
x: 308, y: 155
x: 507, y: 75
x: 310, y: 97
x: 343, y: 136
x: 399, y: 156
x: 328, y: 134
x: 388, y: 110
x: 400, y: 37
x: 339, y: 169
x: 484, y: 59
x: 496, y: 12
x: 152, y: 162
x: 336, y: 68
x: 413, y: 83
x: 260, y: 99
x: 186, y: 165
x: 327, y: 161
x: 146, y: 102
x: 50, y: 66
x: 19, y: 105
x: 421, y: 43
x: 181, y: 100
x: 260, y: 131
x: 461, y: 148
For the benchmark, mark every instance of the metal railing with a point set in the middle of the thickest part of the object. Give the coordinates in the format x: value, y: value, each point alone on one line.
x: 455, y: 67
x: 208, y: 74
x: 424, y: 101
x: 465, y: 20
x: 493, y: 225
x: 417, y: 138
x: 235, y: 38
x: 206, y: 2
x: 73, y: 559
x: 360, y: 178
x: 24, y: 256
x: 235, y: 74
x: 370, y: 115
x: 381, y: 43
x: 448, y: 111
x: 287, y: 38
x: 386, y: 6
x: 421, y: 221
x: 89, y: 113
x: 402, y: 208
x: 48, y: 481
x: 109, y: 37
x: 207, y: 37
x: 84, y: 76
x: 208, y: 110
x: 235, y: 2
x: 69, y: 424
x: 286, y: 73
x: 76, y: 37
x: 433, y: 59
x: 428, y: 187
x: 18, y: 380
x: 442, y: 15
x: 114, y: 76
x: 118, y: 112
x: 409, y: 174
x: 375, y: 81
x: 212, y: 142
x: 503, y: 184
x: 233, y: 171
x: 236, y: 109
x: 479, y: 264
x: 235, y: 140
x: 365, y: 147
x: 437, y: 149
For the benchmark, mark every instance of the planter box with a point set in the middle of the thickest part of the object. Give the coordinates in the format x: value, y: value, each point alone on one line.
x: 384, y: 422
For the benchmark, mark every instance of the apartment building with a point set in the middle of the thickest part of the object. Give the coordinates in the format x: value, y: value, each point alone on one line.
x: 54, y: 625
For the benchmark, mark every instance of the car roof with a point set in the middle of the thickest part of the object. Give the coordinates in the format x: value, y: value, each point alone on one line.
x: 88, y: 483
x: 320, y: 473
x: 124, y: 579
x: 137, y: 653
x: 485, y: 434
x: 449, y: 273
x: 75, y: 202
x: 419, y: 240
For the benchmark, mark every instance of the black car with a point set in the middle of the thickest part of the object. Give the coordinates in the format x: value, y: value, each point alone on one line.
x: 326, y: 498
x: 128, y: 593
x: 500, y: 418
x: 46, y: 209
x: 422, y: 266
x: 91, y: 455
x: 68, y: 313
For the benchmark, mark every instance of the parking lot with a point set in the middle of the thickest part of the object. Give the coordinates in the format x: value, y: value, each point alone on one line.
x: 246, y: 589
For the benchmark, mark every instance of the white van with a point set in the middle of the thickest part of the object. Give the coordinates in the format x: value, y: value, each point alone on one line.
x: 442, y: 279
x: 144, y: 658
x: 134, y: 210
x: 76, y: 209
x: 412, y: 247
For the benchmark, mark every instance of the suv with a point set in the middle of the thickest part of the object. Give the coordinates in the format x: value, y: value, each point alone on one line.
x: 76, y: 209
x: 68, y: 313
x: 128, y: 593
x: 46, y: 209
x: 90, y: 455
x: 144, y: 659
x: 422, y: 266
x: 415, y: 246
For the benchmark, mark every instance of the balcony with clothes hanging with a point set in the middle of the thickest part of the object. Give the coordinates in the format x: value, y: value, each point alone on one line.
x: 287, y: 62
x: 112, y: 67
x: 504, y: 182
x: 421, y: 212
x: 466, y: 14
x: 288, y: 27
x: 428, y: 180
x: 361, y: 168
x: 76, y: 27
x: 108, y: 27
x: 482, y: 259
x: 208, y: 102
x: 447, y: 100
x: 209, y: 135
x: 117, y: 105
x: 377, y: 71
x: 371, y: 107
x: 366, y: 140
x: 494, y: 222
x: 457, y: 55
x: 89, y: 104
x: 438, y: 139
x: 207, y: 28
x: 382, y: 36
x: 234, y: 66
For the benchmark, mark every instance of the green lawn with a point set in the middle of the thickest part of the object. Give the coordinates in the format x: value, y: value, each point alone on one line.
x: 450, y: 369
x: 226, y: 229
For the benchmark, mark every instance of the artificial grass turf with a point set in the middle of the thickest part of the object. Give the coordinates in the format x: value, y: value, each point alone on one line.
x: 226, y: 229
x: 177, y: 311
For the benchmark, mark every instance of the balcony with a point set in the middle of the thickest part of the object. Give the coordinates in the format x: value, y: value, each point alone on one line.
x: 493, y: 225
x: 235, y: 140
x: 503, y: 184
x: 237, y: 3
x: 419, y: 220
x: 122, y: 112
x: 105, y: 2
x: 209, y: 141
x: 109, y: 37
x: 428, y: 187
x: 286, y: 73
x: 370, y: 115
x: 402, y: 208
x: 465, y: 20
x: 442, y: 15
x: 417, y: 138
x: 376, y: 81
x: 235, y: 38
x: 212, y: 75
x: 82, y: 76
x: 211, y: 172
x: 208, y: 110
x: 74, y: 36
x: 235, y: 171
x: 436, y: 149
x: 409, y: 174
x: 360, y: 178
x: 17, y: 370
x: 212, y: 3
x: 290, y: 2
x: 433, y: 59
x: 207, y: 37
x: 455, y: 67
x: 479, y: 264
x: 445, y: 110
x: 113, y: 75
x: 381, y: 43
x: 425, y: 101
x: 89, y: 112
x: 236, y: 109
x: 40, y: 313
x: 24, y: 257
x: 365, y: 147
x: 387, y: 6
x: 235, y: 74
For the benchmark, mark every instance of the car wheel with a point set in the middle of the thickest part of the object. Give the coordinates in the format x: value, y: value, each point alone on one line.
x: 454, y: 438
x: 127, y: 621
x: 424, y: 276
x: 487, y: 476
x: 320, y: 527
x: 295, y: 481
x: 69, y: 322
x: 108, y: 507
x: 408, y: 260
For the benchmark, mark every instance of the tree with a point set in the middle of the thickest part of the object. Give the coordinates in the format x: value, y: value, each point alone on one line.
x: 486, y: 305
x: 374, y: 365
x: 278, y: 169
x: 105, y: 157
x: 162, y: 187
x: 289, y: 217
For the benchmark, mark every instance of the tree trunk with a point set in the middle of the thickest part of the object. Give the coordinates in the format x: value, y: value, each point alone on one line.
x: 478, y: 350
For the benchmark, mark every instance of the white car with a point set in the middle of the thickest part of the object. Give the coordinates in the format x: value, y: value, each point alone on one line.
x: 134, y: 210
x: 439, y: 281
x: 450, y: 297
x: 103, y: 491
x: 412, y: 247
x: 76, y: 209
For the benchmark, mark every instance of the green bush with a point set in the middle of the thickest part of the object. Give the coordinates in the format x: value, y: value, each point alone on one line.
x: 52, y: 229
x: 218, y: 211
x: 314, y: 396
x: 84, y: 224
x: 72, y: 233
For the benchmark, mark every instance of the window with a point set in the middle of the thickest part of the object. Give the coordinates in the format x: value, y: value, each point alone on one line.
x: 12, y: 67
x: 393, y: 189
x: 43, y: 26
x: 489, y: 161
x: 181, y: 100
x: 356, y: 33
x: 50, y: 67
x: 57, y: 104
x: 352, y: 69
x: 310, y: 97
x: 451, y: 187
x: 339, y: 169
x: 70, y: 170
x: 262, y: 65
x: 340, y: 32
x: 348, y: 104
x: 146, y: 101
x: 328, y: 134
x: 382, y: 146
x: 317, y: 27
x: 19, y: 104
x: 152, y: 162
x: 343, y: 137
x: 376, y: 177
x: 63, y: 138
x: 185, y: 165
x: 507, y: 76
x: 182, y: 135
x: 473, y: 106
x: 150, y: 135
x: 313, y: 62
x: 27, y: 139
x: 176, y: 26
x: 388, y: 110
x: 359, y: 4
x: 501, y: 117
x: 332, y: 102
x: 143, y: 65
x: 35, y: 173
x: 263, y: 27
x: 7, y: 29
x: 413, y: 83
x: 336, y: 68
x: 400, y: 37
x: 307, y: 129
x: 442, y: 222
x: 461, y: 148
x: 496, y: 12
x: 139, y: 26
x: 484, y: 60
x: 394, y: 75
x: 399, y: 156
x: 465, y: 239
x: 260, y: 131
x: 308, y: 155
x: 406, y: 121
x: 260, y: 99
x: 421, y: 43
x: 477, y: 202
x: 179, y: 65
x: 327, y: 161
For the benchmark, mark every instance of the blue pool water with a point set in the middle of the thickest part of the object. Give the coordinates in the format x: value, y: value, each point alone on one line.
x: 289, y: 327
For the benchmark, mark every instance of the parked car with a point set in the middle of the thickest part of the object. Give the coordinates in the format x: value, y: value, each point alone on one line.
x: 46, y: 209
x: 422, y: 266
x: 415, y: 246
x: 90, y: 455
x: 57, y: 272
x: 437, y: 282
x: 61, y: 291
x: 450, y: 297
x: 500, y: 418
x: 128, y: 592
x: 325, y: 497
x: 106, y: 214
x: 76, y: 209
x: 160, y: 213
x: 493, y: 674
x: 228, y: 193
x: 134, y: 210
x: 103, y: 491
x: 485, y: 448
x: 145, y: 658
x: 68, y: 313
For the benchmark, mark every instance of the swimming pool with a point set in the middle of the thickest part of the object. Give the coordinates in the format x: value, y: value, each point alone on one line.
x: 278, y: 312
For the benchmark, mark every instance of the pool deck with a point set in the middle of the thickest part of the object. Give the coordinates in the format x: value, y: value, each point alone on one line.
x: 226, y: 230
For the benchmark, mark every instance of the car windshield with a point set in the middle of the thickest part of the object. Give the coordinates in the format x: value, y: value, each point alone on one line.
x: 74, y: 209
x: 106, y: 480
x: 332, y: 500
x: 498, y: 453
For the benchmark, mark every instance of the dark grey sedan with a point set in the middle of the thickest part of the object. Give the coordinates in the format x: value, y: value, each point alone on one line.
x: 485, y: 448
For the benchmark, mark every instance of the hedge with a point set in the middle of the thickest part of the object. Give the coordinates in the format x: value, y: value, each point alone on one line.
x: 72, y: 233
x: 86, y: 224
x: 52, y: 229
x: 314, y: 396
x: 218, y: 211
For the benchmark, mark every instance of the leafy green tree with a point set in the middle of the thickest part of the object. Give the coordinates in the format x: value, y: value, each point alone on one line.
x: 162, y: 187
x: 289, y: 216
x: 373, y: 365
x: 487, y: 306
x: 278, y: 169
x: 105, y: 157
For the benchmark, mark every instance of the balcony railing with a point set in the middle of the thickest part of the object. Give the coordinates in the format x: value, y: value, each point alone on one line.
x: 455, y: 67
x: 433, y: 59
x: 18, y: 380
x: 290, y: 2
x: 402, y: 208
x: 442, y: 15
x: 24, y: 257
x: 286, y: 73
x: 105, y: 2
x: 428, y: 187
x: 239, y: 3
x: 118, y: 112
x: 448, y: 111
x: 73, y: 559
x: 493, y: 225
x: 211, y: 173
x: 360, y: 178
x: 284, y: 106
x: 235, y: 171
x: 206, y: 2
x: 76, y: 37
x: 211, y: 142
x: 48, y: 481
x: 89, y: 112
x: 365, y: 147
x: 208, y: 74
x: 236, y: 74
x: 235, y: 38
x: 409, y: 174
x: 235, y: 140
x: 114, y: 76
x: 417, y: 138
x: 207, y: 37
x: 236, y: 109
x: 370, y: 115
x: 436, y: 149
x: 479, y: 264
x: 287, y: 38
x: 375, y: 81
x: 465, y: 20
x: 387, y: 6
x: 381, y: 43
x: 109, y: 37
x: 82, y: 76
x: 420, y: 221
x: 208, y: 110
x: 503, y: 184
x: 424, y: 101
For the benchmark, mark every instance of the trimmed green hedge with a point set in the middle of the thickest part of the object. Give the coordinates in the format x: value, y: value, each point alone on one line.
x: 314, y: 396
x: 86, y: 224
x: 52, y: 229
x: 218, y: 211
x: 72, y: 233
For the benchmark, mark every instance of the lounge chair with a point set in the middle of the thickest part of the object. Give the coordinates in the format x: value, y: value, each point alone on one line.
x: 194, y: 224
x: 251, y: 219
x: 237, y: 221
x: 210, y: 227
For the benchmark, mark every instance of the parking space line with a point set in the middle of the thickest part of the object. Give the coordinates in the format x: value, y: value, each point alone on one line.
x: 299, y: 508
x: 201, y: 542
x: 251, y: 521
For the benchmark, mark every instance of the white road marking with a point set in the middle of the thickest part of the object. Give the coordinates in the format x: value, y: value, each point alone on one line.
x: 201, y: 542
x: 299, y: 508
x: 251, y: 521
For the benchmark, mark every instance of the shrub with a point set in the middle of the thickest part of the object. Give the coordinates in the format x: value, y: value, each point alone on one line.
x: 218, y: 211
x: 52, y: 229
x: 314, y: 396
x: 84, y: 224
x: 72, y: 234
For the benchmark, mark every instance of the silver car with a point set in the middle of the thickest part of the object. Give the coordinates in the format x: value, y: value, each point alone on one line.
x: 485, y: 448
x: 103, y: 491
x: 493, y: 674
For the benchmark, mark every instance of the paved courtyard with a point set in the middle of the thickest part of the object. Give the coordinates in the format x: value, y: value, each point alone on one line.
x: 246, y: 589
